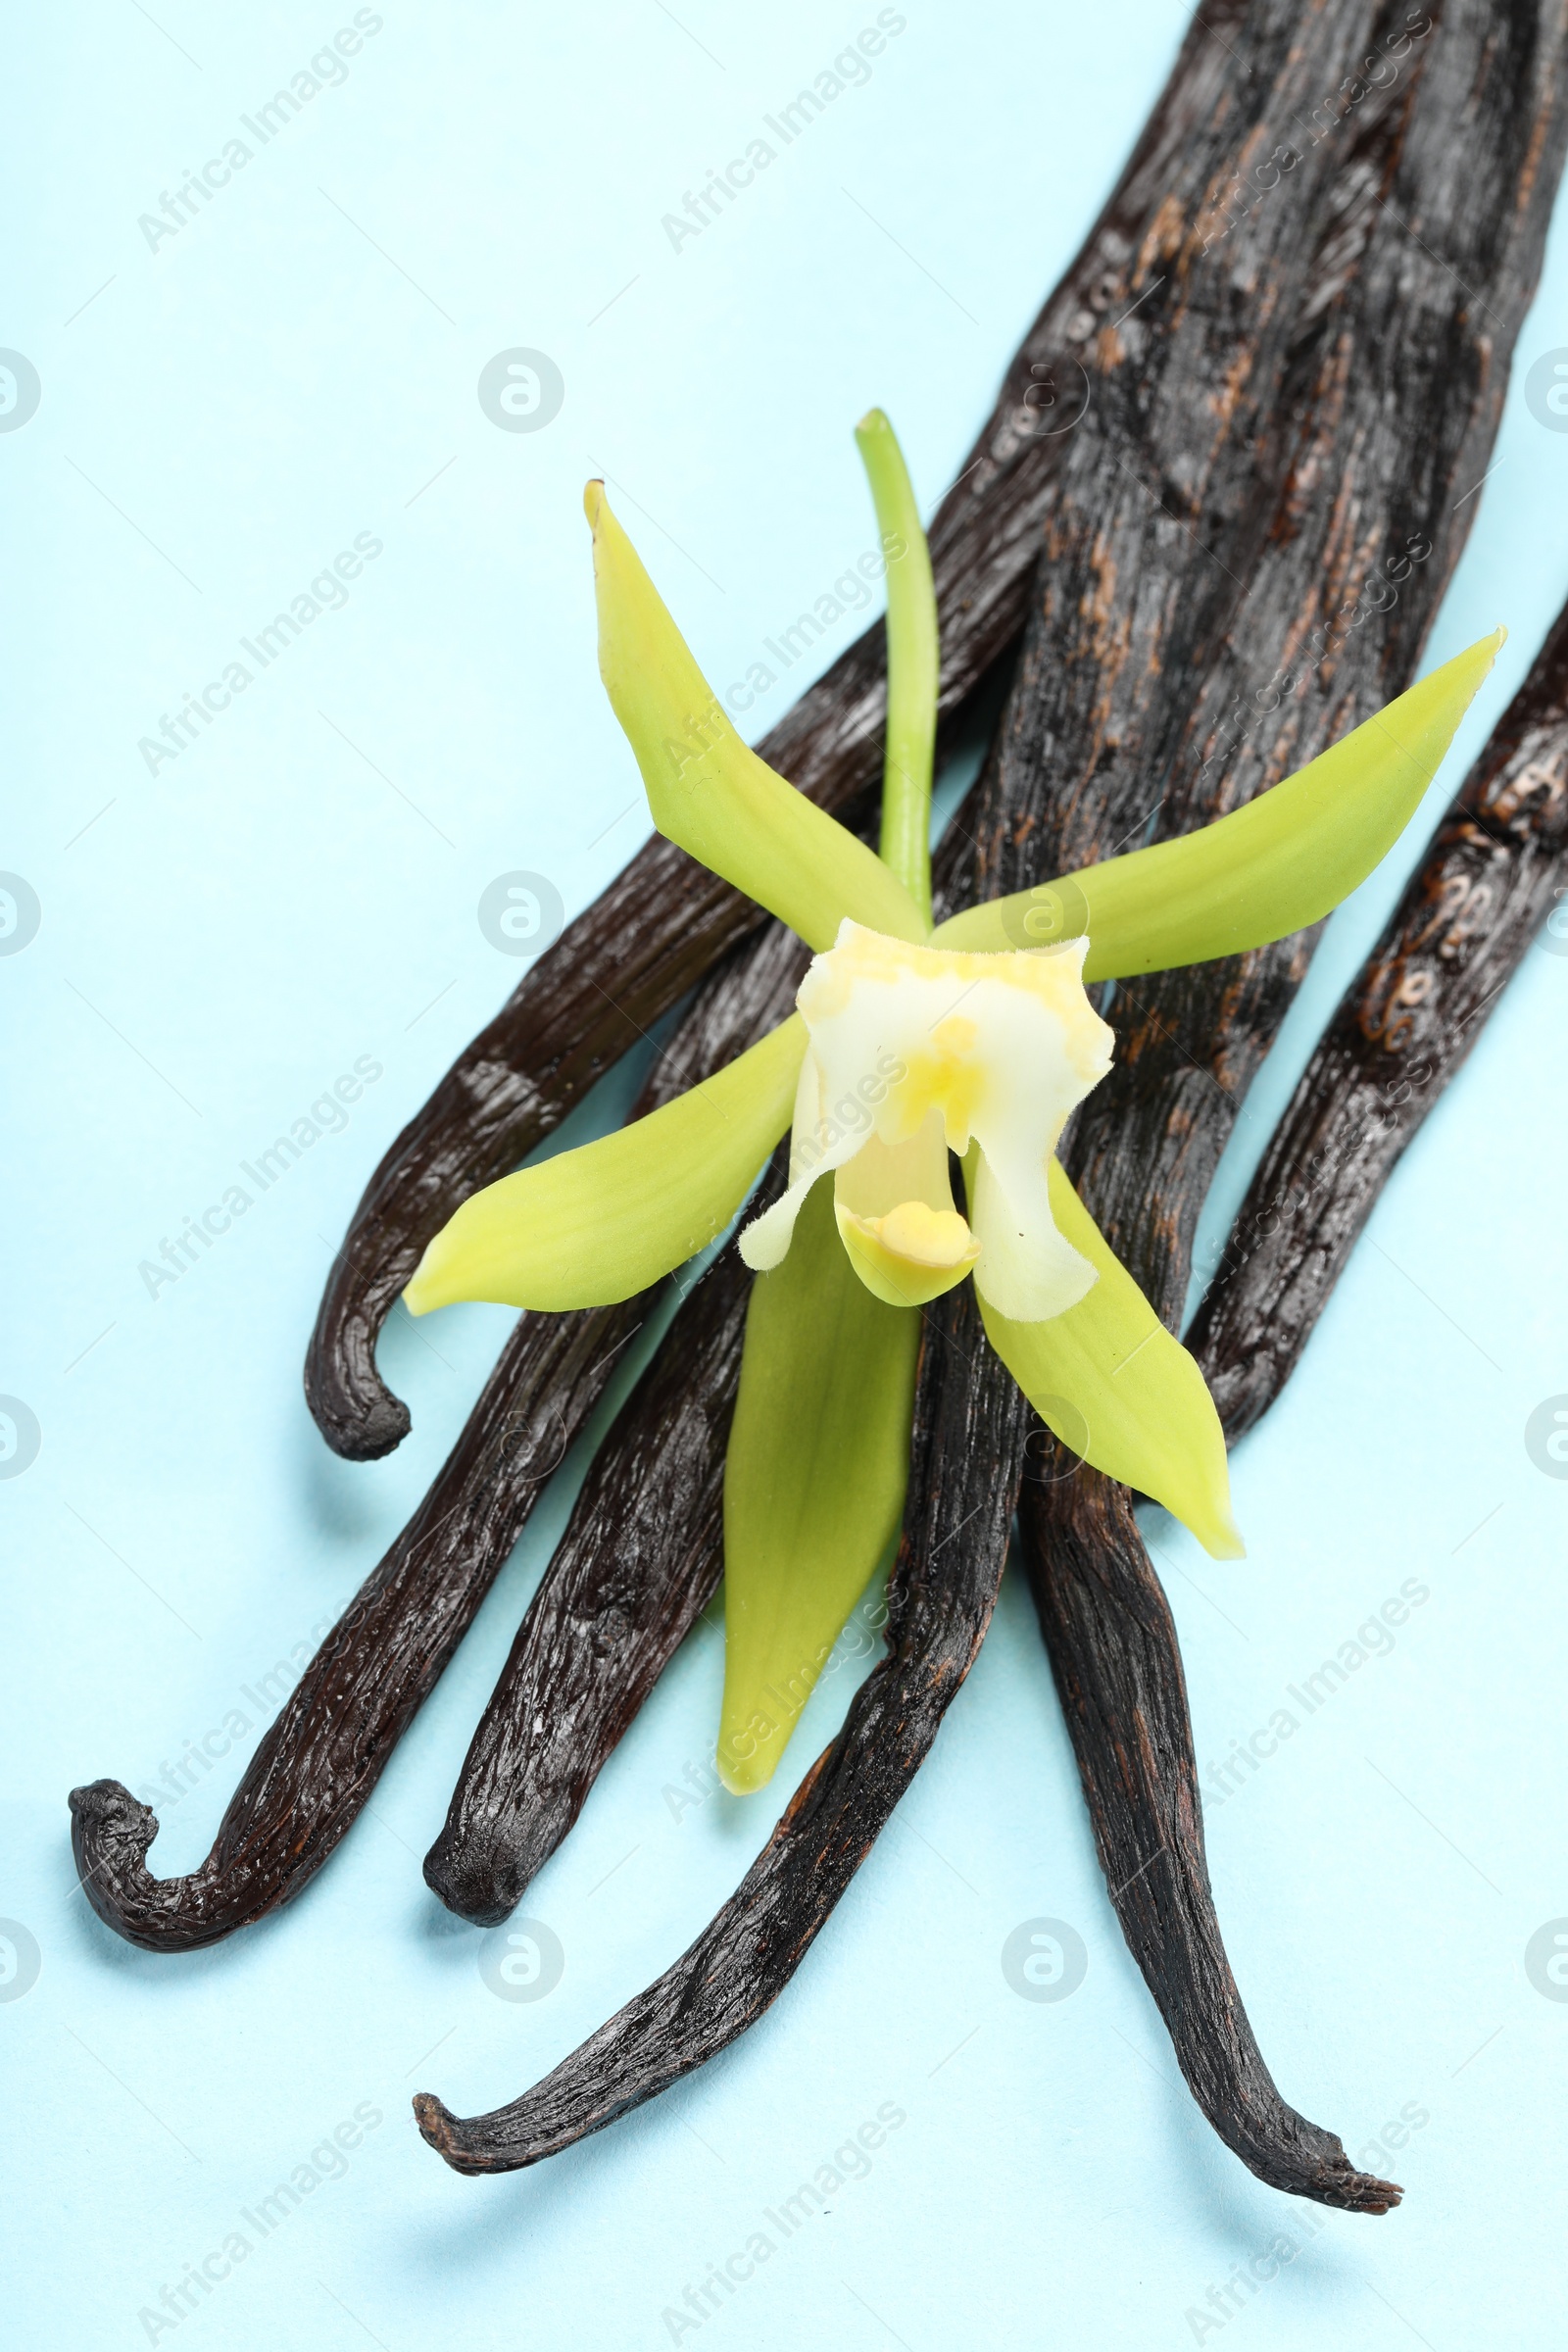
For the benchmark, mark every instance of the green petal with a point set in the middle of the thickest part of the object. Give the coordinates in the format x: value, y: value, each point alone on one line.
x: 599, y: 1224
x: 1285, y: 860
x: 1114, y: 1386
x: 915, y: 660
x: 814, y: 1483
x: 707, y: 791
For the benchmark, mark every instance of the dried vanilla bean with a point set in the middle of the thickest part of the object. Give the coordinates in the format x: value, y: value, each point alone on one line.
x: 639, y: 1561
x: 1233, y: 583
x: 321, y: 1757
x: 1496, y: 867
x: 968, y: 1440
x: 1236, y: 574
x: 1135, y: 649
x: 665, y: 920
x: 1118, y: 1673
x: 1282, y: 328
x: 318, y: 1762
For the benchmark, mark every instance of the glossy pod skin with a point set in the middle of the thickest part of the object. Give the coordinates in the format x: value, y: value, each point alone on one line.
x: 1233, y: 581
x: 1146, y: 1145
x: 1494, y: 871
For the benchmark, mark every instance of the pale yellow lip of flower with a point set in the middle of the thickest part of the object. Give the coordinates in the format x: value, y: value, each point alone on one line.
x: 912, y: 1255
x: 918, y: 1050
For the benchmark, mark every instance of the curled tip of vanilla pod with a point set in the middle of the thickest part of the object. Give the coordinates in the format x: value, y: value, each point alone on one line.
x: 968, y: 1449
x: 500, y: 1114
x: 318, y: 1762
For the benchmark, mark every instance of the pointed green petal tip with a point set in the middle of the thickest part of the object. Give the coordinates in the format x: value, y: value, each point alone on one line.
x: 596, y: 1225
x: 1221, y: 1538
x: 1278, y: 864
x: 707, y: 791
x: 915, y: 660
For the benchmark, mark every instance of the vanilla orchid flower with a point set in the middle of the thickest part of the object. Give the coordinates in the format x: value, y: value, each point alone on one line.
x: 916, y: 1052
x: 908, y: 1044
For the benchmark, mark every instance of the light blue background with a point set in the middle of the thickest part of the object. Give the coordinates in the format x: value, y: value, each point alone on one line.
x: 219, y: 942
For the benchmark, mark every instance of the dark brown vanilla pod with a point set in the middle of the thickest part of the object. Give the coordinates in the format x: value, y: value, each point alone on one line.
x: 1118, y: 1672
x: 660, y: 928
x: 1165, y: 514
x: 1496, y: 867
x: 969, y: 1432
x: 1211, y: 621
x: 643, y: 1549
x: 1149, y: 595
x: 318, y: 1762
x: 1233, y: 584
x: 640, y: 1559
x: 664, y: 921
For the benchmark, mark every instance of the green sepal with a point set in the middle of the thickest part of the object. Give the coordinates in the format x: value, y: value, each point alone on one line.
x: 1113, y: 1385
x: 915, y: 660
x: 1283, y: 861
x: 813, y: 1481
x: 601, y: 1223
x: 707, y: 791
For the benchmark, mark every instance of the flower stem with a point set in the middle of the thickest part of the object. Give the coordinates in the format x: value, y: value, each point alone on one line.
x: 913, y: 661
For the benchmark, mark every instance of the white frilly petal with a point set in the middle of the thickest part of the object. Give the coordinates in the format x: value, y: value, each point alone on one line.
x: 1026, y: 1271
x: 819, y: 1145
x: 915, y: 1051
x: 764, y: 1243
